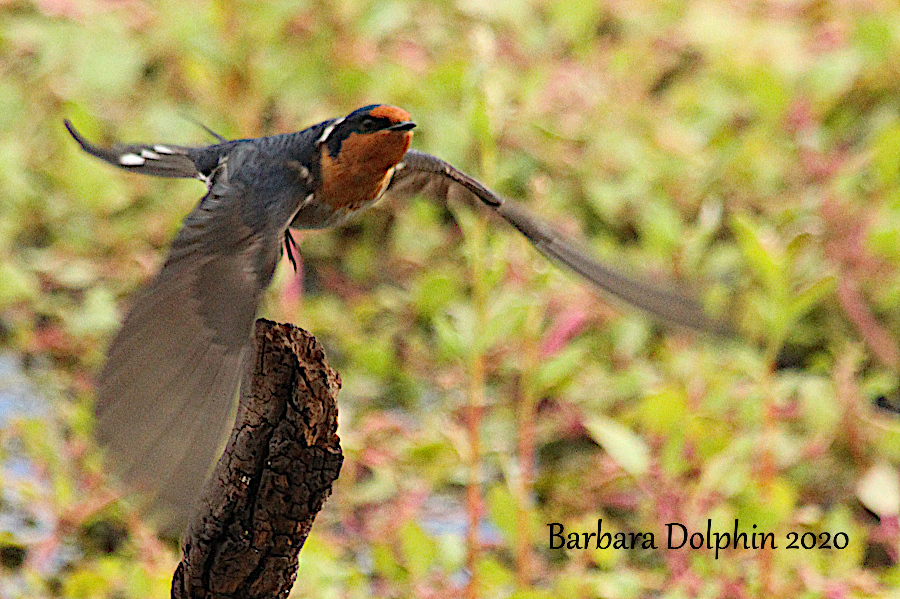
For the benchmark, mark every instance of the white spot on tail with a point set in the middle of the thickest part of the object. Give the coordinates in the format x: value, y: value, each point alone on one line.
x: 150, y: 155
x: 130, y: 159
x: 164, y: 149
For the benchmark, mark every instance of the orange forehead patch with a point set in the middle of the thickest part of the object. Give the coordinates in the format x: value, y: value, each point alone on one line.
x: 394, y: 114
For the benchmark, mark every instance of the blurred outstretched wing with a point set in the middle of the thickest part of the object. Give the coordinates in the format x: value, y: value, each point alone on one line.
x: 421, y: 173
x: 169, y: 384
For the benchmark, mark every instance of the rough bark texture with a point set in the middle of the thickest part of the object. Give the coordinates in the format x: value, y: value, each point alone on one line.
x: 283, y: 455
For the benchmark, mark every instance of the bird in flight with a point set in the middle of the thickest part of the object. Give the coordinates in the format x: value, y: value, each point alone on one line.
x: 169, y: 383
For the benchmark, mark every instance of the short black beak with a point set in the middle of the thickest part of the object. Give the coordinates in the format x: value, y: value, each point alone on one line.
x: 404, y: 126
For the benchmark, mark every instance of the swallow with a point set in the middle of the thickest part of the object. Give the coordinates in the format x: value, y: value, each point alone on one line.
x: 168, y: 386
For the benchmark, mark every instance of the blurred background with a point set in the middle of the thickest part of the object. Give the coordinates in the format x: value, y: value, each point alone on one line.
x: 748, y: 150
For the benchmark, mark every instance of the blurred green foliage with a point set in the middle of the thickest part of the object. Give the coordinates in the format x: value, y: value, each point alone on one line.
x: 751, y: 150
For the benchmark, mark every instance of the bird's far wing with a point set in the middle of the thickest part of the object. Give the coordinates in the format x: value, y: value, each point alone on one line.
x: 421, y: 173
x: 160, y: 160
x: 170, y: 380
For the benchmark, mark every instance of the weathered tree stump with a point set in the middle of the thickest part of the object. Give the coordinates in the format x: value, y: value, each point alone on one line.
x: 277, y: 470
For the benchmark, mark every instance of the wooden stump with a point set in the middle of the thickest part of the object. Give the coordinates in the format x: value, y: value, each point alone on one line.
x: 277, y: 470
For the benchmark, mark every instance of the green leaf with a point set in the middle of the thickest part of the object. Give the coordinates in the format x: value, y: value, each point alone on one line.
x: 807, y: 299
x: 108, y: 60
x: 383, y: 560
x: 19, y: 285
x: 770, y: 95
x: 885, y: 149
x: 98, y: 315
x: 456, y: 330
x: 560, y: 368
x: 622, y: 444
x: 833, y: 75
x: 419, y: 550
x: 494, y: 576
x: 433, y: 290
x: 874, y: 36
x: 503, y: 514
x: 763, y: 262
x: 533, y: 594
x: 505, y: 317
x: 664, y: 411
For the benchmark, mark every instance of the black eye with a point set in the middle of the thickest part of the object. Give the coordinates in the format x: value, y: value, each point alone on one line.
x: 368, y: 124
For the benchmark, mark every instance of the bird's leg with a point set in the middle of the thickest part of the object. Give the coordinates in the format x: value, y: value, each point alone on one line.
x: 289, y: 247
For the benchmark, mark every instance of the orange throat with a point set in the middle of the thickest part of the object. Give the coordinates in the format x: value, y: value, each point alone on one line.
x: 362, y: 170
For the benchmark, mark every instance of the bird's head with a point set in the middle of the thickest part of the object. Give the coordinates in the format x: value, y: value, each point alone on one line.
x: 375, y: 135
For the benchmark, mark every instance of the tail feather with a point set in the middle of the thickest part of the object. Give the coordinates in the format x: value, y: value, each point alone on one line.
x: 160, y: 160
